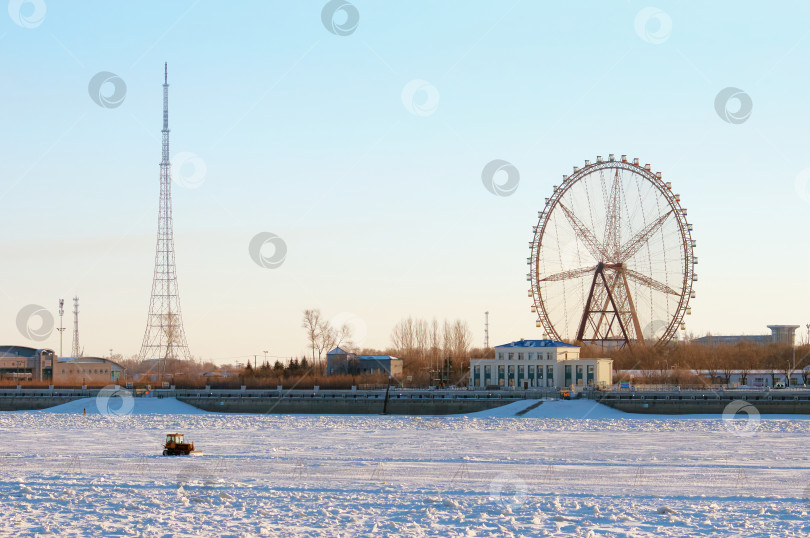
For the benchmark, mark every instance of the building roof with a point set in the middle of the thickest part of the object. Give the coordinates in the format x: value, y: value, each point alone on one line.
x: 377, y: 357
x: 89, y: 360
x: 19, y: 351
x: 734, y: 338
x: 536, y: 343
x: 338, y: 351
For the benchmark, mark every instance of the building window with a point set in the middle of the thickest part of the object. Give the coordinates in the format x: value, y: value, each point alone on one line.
x: 520, y: 356
x: 511, y: 356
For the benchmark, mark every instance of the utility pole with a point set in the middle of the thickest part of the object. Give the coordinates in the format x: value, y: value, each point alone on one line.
x: 76, y: 350
x: 486, y: 330
x: 61, y: 328
x: 265, y: 356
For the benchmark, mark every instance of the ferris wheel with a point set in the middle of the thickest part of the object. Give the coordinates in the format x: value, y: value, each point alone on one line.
x: 612, y: 259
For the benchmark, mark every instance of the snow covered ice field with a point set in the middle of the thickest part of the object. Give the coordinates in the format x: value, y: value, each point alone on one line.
x: 548, y: 472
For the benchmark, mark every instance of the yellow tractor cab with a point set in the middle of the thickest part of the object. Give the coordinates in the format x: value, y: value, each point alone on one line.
x: 176, y: 446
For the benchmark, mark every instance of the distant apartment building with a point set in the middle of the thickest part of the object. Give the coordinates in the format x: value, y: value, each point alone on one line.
x: 342, y: 362
x: 539, y: 363
x: 780, y: 334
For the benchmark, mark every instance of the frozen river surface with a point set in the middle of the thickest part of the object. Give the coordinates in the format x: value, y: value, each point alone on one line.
x: 549, y: 472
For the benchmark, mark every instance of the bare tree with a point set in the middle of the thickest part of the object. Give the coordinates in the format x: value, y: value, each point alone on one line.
x: 312, y: 323
x: 403, y: 338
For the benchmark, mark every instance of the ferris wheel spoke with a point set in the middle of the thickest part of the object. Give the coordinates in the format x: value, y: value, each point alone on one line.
x: 591, y: 242
x: 651, y: 282
x: 640, y: 239
x: 613, y: 217
x: 566, y: 275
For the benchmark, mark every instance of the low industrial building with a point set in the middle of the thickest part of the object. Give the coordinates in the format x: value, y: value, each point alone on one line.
x: 539, y: 363
x: 87, y: 371
x: 780, y: 334
x: 26, y: 363
x: 29, y: 364
x: 341, y: 362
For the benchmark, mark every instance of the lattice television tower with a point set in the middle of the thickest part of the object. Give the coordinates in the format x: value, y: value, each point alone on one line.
x: 76, y: 352
x: 164, y: 337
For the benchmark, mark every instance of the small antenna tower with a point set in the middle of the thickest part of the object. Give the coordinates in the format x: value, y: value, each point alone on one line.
x: 486, y: 330
x: 76, y: 349
x: 61, y: 328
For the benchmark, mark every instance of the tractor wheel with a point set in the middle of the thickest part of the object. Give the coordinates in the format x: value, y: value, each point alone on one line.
x: 165, y: 452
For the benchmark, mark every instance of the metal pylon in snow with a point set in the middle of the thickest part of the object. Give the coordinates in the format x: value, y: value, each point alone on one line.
x: 164, y: 337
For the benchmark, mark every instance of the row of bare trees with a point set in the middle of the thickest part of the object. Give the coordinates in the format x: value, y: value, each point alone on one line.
x: 714, y: 363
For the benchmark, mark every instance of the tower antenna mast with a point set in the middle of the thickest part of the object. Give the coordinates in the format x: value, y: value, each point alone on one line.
x: 486, y: 330
x: 61, y: 328
x: 164, y: 338
x: 76, y: 352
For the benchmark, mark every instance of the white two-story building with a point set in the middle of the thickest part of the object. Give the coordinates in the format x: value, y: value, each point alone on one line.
x: 539, y: 363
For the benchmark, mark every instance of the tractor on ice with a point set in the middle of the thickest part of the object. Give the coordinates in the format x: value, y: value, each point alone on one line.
x: 176, y: 446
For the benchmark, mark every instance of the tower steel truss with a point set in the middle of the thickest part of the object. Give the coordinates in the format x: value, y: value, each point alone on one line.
x: 164, y: 337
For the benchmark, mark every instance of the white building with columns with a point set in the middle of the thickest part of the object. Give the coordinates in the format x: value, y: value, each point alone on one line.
x: 539, y: 363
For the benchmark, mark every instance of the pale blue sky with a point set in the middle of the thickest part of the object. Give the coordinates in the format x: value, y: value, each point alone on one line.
x: 305, y: 134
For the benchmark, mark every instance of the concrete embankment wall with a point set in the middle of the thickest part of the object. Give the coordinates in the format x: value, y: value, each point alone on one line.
x: 341, y: 402
x: 24, y: 400
x: 344, y: 406
x: 706, y: 402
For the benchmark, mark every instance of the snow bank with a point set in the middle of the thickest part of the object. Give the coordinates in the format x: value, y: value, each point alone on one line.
x: 126, y: 406
x: 553, y: 409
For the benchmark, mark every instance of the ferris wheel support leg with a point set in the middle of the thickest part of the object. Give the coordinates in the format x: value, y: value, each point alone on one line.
x: 636, y: 324
x: 586, y: 312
